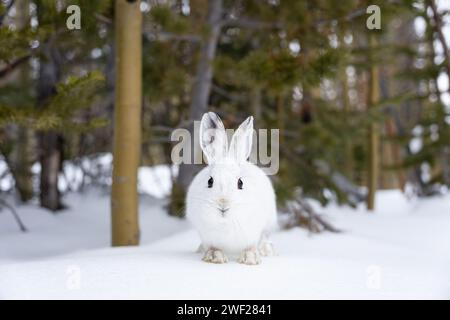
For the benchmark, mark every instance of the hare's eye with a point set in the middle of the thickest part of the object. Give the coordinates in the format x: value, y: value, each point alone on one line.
x: 210, y: 182
x: 240, y: 184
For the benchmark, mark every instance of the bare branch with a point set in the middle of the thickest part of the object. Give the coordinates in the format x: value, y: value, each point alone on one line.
x: 8, y: 7
x: 168, y: 36
x: 303, y: 215
x: 102, y: 18
x: 11, y: 66
x: 438, y: 28
x: 226, y: 94
x: 352, y: 15
x: 249, y: 23
x: 15, y: 214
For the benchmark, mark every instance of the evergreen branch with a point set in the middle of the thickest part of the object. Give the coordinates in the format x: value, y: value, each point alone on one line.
x: 11, y: 66
x: 75, y: 94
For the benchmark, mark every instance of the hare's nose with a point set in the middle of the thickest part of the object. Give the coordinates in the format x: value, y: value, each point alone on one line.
x: 223, y: 203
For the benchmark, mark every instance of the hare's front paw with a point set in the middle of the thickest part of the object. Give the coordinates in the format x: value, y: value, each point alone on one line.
x: 215, y: 256
x: 250, y: 256
x: 266, y: 248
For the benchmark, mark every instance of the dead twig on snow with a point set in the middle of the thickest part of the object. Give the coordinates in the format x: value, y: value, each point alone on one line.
x: 304, y: 215
x: 13, y: 211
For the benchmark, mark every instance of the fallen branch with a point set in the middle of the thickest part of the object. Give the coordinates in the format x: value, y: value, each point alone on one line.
x: 303, y: 215
x: 5, y: 204
x: 354, y: 193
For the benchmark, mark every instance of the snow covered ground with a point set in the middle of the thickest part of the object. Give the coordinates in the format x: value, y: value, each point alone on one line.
x: 400, y: 251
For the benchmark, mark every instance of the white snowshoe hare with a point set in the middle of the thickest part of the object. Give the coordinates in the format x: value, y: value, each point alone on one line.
x: 231, y: 202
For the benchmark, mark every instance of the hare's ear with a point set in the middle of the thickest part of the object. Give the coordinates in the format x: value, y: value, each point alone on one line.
x: 213, y: 138
x: 241, y: 143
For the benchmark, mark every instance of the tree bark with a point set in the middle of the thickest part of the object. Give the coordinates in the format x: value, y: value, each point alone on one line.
x: 200, y: 96
x: 438, y: 28
x: 127, y: 123
x: 50, y: 142
x: 373, y: 142
x: 408, y: 113
x: 23, y: 155
x: 348, y: 146
x: 390, y: 179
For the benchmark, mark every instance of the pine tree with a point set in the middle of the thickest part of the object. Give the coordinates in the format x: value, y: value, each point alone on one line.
x: 21, y: 158
x: 431, y: 161
x: 40, y: 105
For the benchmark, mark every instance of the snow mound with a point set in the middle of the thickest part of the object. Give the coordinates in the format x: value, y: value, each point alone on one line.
x: 399, y: 251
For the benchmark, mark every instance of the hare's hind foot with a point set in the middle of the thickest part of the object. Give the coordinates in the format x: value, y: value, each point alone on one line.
x: 213, y: 255
x: 250, y: 256
x: 266, y: 249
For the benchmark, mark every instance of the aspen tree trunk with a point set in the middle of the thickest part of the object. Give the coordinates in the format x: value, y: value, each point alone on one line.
x: 373, y: 142
x: 127, y: 123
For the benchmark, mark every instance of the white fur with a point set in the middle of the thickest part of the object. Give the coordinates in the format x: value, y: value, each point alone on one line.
x: 251, y: 211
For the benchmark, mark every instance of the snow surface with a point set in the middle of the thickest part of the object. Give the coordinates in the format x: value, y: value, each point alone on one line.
x: 400, y: 251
